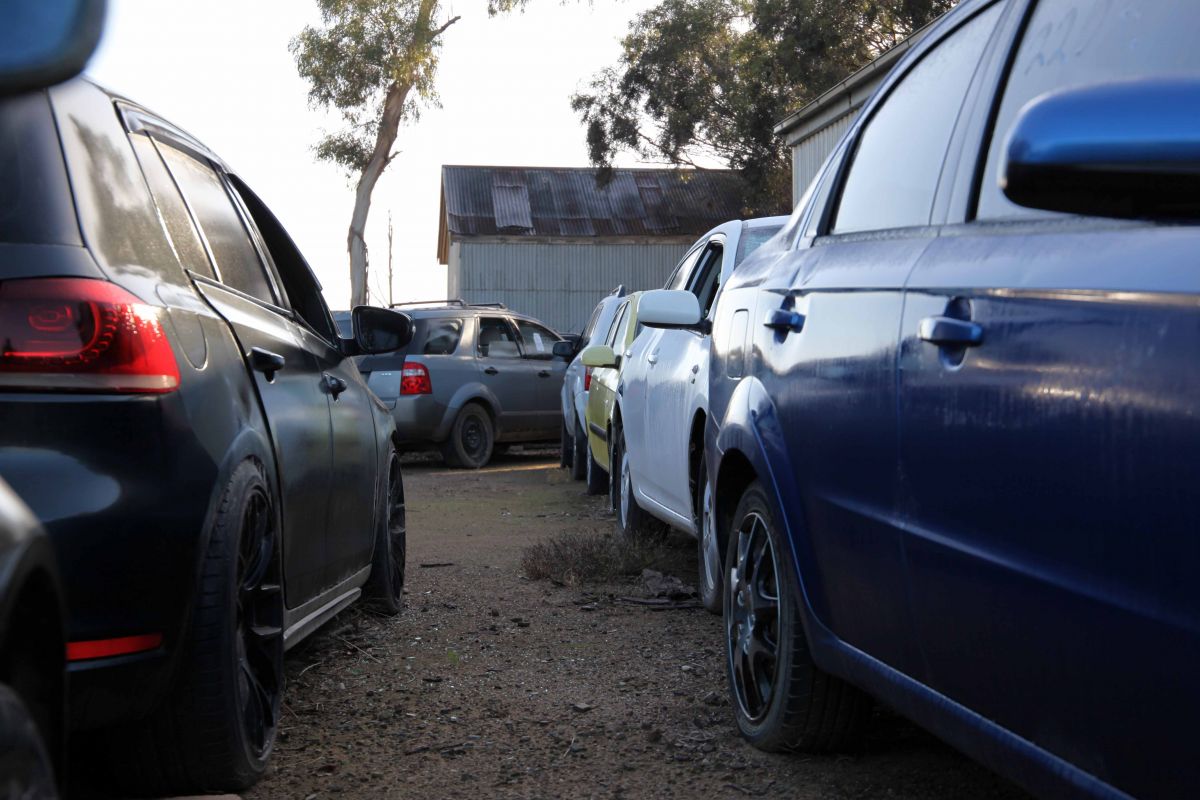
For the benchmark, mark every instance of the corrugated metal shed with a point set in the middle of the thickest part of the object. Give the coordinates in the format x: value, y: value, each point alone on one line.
x: 568, y: 202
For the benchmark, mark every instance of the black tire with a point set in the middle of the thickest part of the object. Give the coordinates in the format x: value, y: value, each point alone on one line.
x: 632, y: 521
x: 710, y: 583
x: 26, y: 770
x: 781, y: 700
x: 566, y: 446
x: 385, y: 588
x: 579, y: 455
x: 472, y: 438
x: 216, y: 730
x: 594, y: 475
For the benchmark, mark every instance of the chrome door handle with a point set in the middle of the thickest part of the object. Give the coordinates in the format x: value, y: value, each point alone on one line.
x: 950, y: 332
x: 335, y: 385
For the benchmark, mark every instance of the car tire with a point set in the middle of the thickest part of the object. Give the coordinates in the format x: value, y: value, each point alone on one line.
x: 632, y: 521
x: 566, y: 446
x: 472, y: 438
x: 217, y: 728
x: 579, y: 454
x: 595, y: 476
x: 385, y: 588
x: 710, y: 583
x: 26, y: 769
x: 781, y: 700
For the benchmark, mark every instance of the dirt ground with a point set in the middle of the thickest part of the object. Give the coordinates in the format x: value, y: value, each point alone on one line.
x: 491, y: 685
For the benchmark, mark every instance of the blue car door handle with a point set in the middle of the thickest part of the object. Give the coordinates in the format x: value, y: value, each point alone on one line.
x: 947, y: 331
x: 784, y: 320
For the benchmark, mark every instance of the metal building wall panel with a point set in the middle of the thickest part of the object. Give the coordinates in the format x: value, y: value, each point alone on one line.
x: 558, y: 283
x: 809, y: 154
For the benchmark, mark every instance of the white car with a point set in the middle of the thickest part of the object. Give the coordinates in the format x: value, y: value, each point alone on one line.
x: 664, y: 395
x: 575, y: 385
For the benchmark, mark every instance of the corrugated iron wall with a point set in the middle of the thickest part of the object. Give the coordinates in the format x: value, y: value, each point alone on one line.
x: 809, y: 154
x: 559, y: 283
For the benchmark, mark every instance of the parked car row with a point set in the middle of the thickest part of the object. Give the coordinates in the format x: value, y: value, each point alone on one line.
x: 944, y: 450
x: 212, y: 473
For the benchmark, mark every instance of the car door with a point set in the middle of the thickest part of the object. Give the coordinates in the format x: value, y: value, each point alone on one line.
x: 350, y: 529
x: 602, y: 396
x: 673, y: 366
x: 507, y: 375
x: 537, y: 345
x: 639, y: 376
x: 290, y: 385
x: 828, y: 346
x: 1049, y: 467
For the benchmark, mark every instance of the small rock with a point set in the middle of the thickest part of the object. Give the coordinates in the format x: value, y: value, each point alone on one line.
x: 582, y: 707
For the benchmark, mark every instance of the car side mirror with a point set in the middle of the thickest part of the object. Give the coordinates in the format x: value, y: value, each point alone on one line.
x: 669, y: 308
x: 1129, y: 150
x: 564, y: 350
x: 46, y: 42
x: 380, y: 330
x: 599, y: 355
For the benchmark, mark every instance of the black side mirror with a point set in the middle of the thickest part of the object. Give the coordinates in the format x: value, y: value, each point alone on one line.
x: 564, y: 350
x: 46, y: 42
x: 1129, y: 149
x: 380, y: 330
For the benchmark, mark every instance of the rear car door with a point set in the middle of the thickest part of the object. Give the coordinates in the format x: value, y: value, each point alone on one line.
x: 828, y: 344
x: 350, y: 530
x: 289, y: 379
x: 1049, y: 471
x: 537, y: 345
x: 507, y: 376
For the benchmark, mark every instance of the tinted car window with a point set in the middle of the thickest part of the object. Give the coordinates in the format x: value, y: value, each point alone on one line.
x: 708, y: 277
x: 175, y: 215
x: 496, y: 339
x: 35, y: 198
x: 898, y: 161
x: 591, y: 324
x: 442, y: 336
x: 238, y: 264
x: 537, y: 340
x: 752, y: 239
x: 1077, y: 42
x: 683, y: 273
x: 618, y: 318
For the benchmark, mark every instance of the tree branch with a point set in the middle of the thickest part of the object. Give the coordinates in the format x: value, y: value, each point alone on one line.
x: 439, y: 31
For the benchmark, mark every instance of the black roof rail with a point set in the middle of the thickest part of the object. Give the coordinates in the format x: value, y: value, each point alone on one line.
x: 455, y: 301
x: 488, y: 305
x: 618, y: 292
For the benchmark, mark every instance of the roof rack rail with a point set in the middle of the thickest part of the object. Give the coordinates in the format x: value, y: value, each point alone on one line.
x: 618, y: 292
x: 454, y: 301
x: 488, y: 305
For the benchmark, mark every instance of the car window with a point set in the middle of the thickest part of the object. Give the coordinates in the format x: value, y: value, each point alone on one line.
x: 300, y: 285
x: 708, y: 276
x: 611, y: 338
x: 496, y: 339
x: 898, y: 160
x: 174, y: 213
x: 537, y: 340
x: 683, y: 272
x: 1069, y: 44
x: 591, y: 324
x: 752, y: 239
x: 237, y: 261
x: 622, y: 333
x: 442, y: 336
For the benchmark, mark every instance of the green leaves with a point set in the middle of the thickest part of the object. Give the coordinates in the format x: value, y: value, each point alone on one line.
x: 703, y: 79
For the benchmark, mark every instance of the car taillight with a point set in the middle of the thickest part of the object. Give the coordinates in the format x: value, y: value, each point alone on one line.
x: 414, y: 379
x: 81, y: 335
x: 587, y: 379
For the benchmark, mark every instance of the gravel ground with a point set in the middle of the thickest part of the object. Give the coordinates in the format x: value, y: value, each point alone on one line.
x: 491, y: 685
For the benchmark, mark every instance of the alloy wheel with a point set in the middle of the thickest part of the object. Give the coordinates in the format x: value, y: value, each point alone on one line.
x: 752, y: 618
x: 259, y: 642
x: 709, y: 545
x: 626, y: 488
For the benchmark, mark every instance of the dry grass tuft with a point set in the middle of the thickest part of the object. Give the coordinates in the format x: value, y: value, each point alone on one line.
x: 577, y: 558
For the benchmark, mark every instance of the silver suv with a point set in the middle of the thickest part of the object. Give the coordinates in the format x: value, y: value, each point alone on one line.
x: 475, y: 378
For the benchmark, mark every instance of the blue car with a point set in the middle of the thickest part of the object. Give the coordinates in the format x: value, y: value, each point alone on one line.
x: 955, y: 428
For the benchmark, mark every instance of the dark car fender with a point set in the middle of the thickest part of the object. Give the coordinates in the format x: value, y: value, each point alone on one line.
x: 469, y: 392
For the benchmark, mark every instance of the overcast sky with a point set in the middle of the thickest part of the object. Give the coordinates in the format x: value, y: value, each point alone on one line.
x: 221, y: 70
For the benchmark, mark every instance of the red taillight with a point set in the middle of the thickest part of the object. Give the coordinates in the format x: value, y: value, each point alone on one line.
x: 83, y: 335
x: 107, y: 648
x: 414, y: 379
x: 587, y: 379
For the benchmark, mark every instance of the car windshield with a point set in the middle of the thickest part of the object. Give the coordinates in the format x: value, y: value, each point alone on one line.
x: 752, y: 239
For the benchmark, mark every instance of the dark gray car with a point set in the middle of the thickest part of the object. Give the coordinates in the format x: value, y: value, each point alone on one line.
x: 475, y: 377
